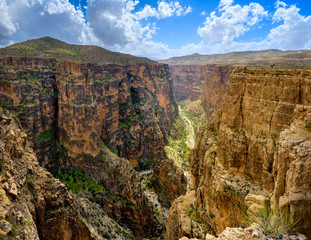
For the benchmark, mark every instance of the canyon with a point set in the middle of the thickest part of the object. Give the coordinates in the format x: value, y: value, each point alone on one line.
x: 105, y: 125
x: 103, y: 121
x: 249, y: 155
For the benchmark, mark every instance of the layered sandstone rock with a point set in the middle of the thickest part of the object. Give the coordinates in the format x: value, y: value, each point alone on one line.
x: 72, y: 111
x: 252, y: 158
x: 131, y: 107
x: 171, y: 179
x: 206, y: 82
x: 34, y: 205
x: 184, y: 219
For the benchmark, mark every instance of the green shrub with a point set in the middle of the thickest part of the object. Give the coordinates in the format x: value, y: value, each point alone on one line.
x: 78, y: 182
x: 308, y: 126
x: 273, y: 223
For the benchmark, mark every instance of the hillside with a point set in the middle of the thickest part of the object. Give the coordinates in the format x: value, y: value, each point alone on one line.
x: 48, y: 47
x: 233, y: 58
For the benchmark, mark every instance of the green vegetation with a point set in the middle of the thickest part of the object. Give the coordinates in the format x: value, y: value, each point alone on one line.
x: 1, y: 166
x: 193, y: 214
x: 178, y: 128
x: 78, y: 182
x: 5, y: 102
x: 46, y: 136
x: 212, y: 196
x: 194, y: 111
x: 308, y: 126
x: 273, y: 223
x: 52, y: 48
x: 146, y: 163
x: 47, y: 92
x: 178, y: 150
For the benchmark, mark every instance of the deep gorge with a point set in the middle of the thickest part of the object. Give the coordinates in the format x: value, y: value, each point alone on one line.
x: 96, y: 126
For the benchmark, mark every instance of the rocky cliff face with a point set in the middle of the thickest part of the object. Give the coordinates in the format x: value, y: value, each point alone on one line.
x: 259, y: 152
x: 206, y: 82
x: 171, y: 181
x: 87, y: 117
x: 34, y: 205
x: 131, y: 108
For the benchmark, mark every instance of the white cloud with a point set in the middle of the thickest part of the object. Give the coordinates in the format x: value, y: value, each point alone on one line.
x: 294, y: 32
x: 7, y: 27
x: 26, y: 19
x: 164, y: 10
x: 280, y: 4
x: 116, y: 23
x: 233, y: 22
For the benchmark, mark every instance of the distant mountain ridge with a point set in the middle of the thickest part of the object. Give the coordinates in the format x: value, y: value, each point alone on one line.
x: 232, y: 58
x: 48, y: 47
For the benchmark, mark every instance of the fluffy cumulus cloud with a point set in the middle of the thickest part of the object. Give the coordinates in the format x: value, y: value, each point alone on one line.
x: 115, y: 22
x: 222, y: 28
x: 231, y: 22
x: 28, y: 19
x: 7, y: 27
x: 163, y: 10
x: 294, y: 32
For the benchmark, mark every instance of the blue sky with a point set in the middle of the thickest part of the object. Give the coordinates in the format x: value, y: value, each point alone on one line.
x: 161, y: 29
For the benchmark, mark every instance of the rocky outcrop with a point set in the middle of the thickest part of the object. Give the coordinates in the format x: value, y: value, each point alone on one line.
x: 90, y: 117
x: 184, y: 219
x: 251, y: 159
x: 214, y: 87
x: 124, y: 199
x: 244, y: 234
x: 34, y: 205
x: 206, y: 82
x: 291, y: 168
x: 171, y: 180
x: 188, y: 81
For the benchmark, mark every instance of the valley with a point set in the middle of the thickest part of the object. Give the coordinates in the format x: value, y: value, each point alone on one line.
x: 119, y: 147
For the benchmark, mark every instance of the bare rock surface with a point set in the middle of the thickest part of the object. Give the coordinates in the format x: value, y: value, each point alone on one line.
x: 256, y: 152
x: 35, y: 205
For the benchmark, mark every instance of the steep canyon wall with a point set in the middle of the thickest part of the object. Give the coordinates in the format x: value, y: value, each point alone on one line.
x: 130, y: 108
x: 91, y: 117
x: 205, y: 82
x: 256, y: 152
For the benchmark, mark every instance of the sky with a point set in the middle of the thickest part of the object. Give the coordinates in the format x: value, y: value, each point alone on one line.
x: 161, y: 29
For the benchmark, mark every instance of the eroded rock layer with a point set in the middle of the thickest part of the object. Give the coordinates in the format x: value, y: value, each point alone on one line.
x: 35, y: 205
x: 259, y: 153
x: 171, y: 181
x: 207, y: 82
x: 131, y: 108
x: 88, y: 117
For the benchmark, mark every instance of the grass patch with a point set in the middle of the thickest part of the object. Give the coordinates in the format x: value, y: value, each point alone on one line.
x: 273, y: 223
